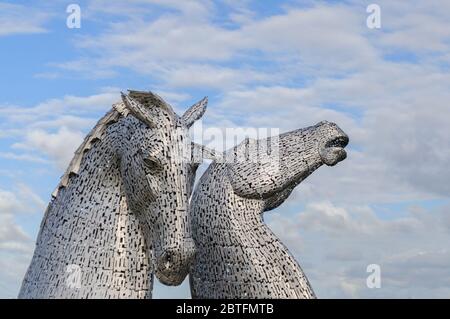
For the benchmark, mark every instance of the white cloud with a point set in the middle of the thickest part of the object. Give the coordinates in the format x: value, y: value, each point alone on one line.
x: 415, y: 26
x: 66, y: 108
x: 399, y: 156
x: 59, y: 146
x: 207, y: 76
x: 320, y: 40
x: 22, y: 201
x: 16, y: 246
x: 196, y: 9
x: 338, y: 242
x: 31, y: 197
x: 23, y: 157
x: 19, y: 19
x: 52, y: 130
x: 68, y: 121
x: 289, y: 108
x: 13, y: 265
x: 12, y: 237
x: 8, y: 202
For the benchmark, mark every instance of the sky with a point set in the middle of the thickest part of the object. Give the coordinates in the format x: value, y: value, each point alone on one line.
x: 263, y: 64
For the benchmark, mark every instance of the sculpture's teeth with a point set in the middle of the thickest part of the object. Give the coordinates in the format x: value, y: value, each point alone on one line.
x: 340, y: 141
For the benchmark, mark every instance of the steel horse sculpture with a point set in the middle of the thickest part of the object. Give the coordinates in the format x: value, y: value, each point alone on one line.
x: 237, y: 254
x: 120, y: 213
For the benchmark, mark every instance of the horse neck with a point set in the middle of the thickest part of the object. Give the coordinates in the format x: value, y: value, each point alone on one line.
x: 236, y: 216
x: 217, y: 213
x: 88, y: 195
x: 297, y: 144
x: 90, y: 225
x: 224, y: 221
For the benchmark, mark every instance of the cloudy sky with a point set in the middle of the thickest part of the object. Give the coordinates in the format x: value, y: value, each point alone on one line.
x: 282, y: 64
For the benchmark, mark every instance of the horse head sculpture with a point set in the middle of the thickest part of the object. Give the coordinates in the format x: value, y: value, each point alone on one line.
x: 120, y: 213
x: 238, y: 256
x: 158, y: 177
x: 296, y: 155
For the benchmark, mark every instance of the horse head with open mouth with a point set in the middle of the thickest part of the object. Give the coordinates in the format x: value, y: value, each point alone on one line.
x: 238, y: 256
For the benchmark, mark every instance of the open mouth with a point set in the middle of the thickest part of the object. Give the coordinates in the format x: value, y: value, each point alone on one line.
x: 333, y: 151
x: 340, y: 142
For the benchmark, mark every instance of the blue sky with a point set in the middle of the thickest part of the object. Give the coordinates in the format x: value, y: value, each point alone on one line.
x: 283, y: 64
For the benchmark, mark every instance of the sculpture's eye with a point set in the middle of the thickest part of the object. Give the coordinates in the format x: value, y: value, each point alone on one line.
x: 152, y: 164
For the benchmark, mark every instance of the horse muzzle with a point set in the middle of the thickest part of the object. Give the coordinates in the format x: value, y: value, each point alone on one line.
x: 172, y: 263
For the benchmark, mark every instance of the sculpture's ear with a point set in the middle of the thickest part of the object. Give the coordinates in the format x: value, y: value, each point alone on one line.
x: 147, y: 107
x: 152, y: 101
x: 195, y: 112
x: 138, y: 110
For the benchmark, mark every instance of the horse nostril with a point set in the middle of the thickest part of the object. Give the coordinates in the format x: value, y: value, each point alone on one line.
x: 178, y: 257
x: 167, y: 259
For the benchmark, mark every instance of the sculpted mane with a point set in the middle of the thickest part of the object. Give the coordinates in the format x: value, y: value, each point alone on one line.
x: 118, y: 110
